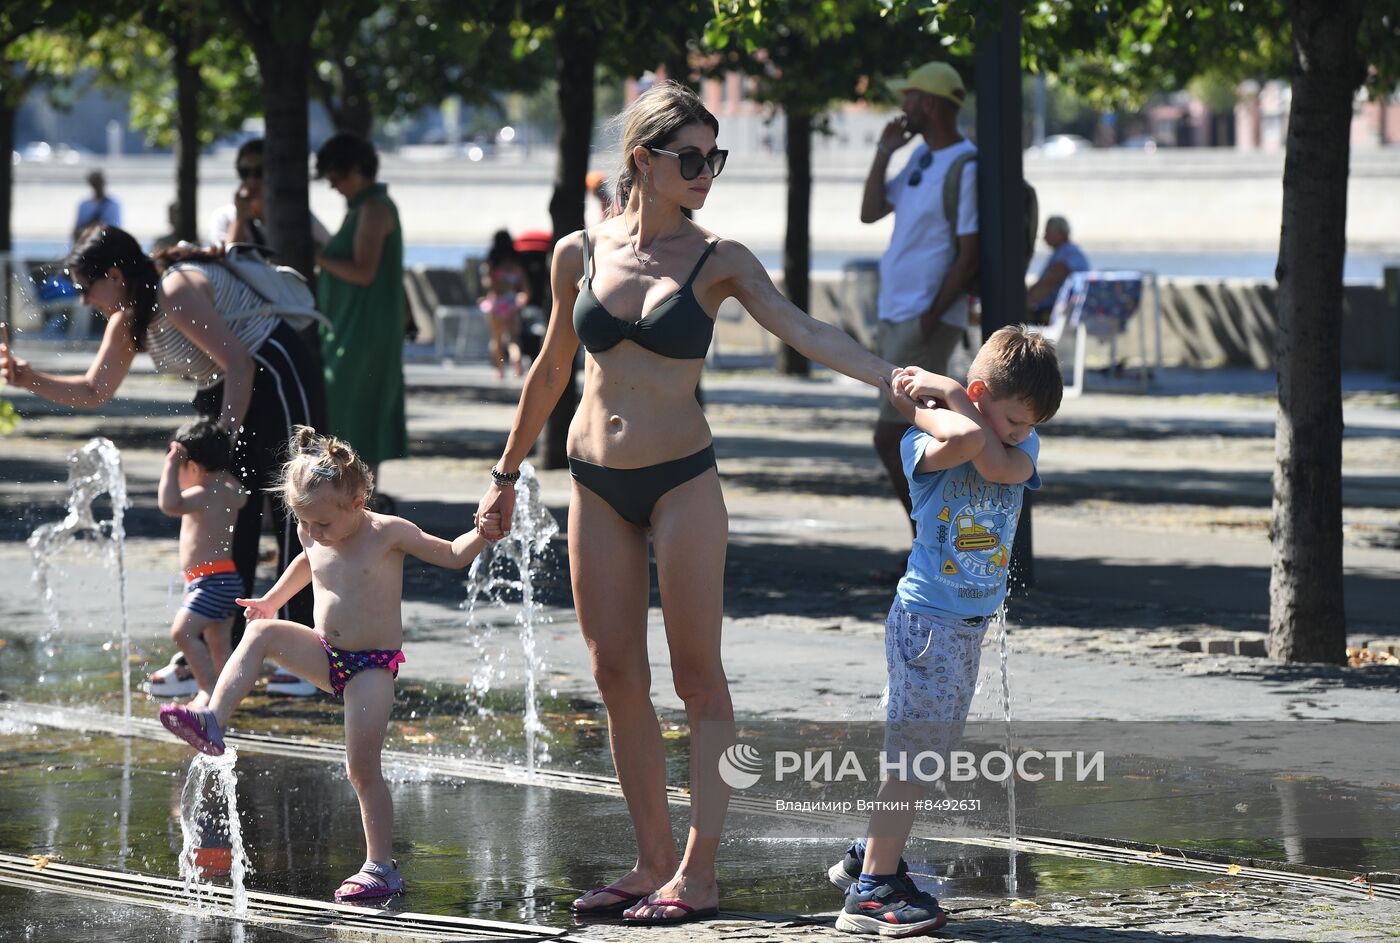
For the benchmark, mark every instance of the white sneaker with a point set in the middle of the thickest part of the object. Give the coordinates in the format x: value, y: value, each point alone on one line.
x: 288, y: 684
x: 167, y: 682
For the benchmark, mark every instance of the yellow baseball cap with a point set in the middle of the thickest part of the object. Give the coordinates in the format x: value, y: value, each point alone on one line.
x: 933, y: 78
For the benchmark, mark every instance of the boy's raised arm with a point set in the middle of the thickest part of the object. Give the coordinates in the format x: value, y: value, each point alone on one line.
x: 956, y: 439
x: 1001, y: 463
x: 995, y: 460
x: 169, y: 498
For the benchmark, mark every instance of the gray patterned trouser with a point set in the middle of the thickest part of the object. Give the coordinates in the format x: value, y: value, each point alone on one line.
x: 932, y: 678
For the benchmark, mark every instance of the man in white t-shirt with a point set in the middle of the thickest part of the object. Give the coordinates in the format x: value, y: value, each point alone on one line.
x: 927, y: 270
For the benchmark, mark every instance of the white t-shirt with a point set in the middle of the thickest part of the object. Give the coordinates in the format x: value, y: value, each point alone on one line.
x: 224, y: 216
x: 921, y: 248
x: 219, y: 223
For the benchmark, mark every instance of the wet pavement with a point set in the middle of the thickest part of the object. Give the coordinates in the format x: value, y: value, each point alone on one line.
x: 812, y: 539
x: 476, y: 849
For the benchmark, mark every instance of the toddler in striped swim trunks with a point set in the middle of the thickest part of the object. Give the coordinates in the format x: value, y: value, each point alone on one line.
x: 197, y: 487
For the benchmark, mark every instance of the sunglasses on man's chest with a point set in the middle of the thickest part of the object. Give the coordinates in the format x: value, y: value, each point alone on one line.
x: 917, y: 177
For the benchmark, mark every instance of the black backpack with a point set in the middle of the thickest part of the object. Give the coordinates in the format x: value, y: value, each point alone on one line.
x: 952, y: 196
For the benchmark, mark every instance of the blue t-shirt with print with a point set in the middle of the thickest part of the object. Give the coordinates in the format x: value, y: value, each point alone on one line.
x: 966, y: 525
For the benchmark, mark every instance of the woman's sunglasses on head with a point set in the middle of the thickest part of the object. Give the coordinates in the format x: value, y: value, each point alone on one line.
x: 691, y: 162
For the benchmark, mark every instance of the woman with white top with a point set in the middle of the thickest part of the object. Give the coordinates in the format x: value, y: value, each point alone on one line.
x: 199, y: 321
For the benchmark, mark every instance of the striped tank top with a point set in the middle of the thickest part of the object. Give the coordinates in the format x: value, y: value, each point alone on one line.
x: 174, y: 353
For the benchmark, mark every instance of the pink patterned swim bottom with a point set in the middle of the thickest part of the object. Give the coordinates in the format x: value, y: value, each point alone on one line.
x: 345, y: 665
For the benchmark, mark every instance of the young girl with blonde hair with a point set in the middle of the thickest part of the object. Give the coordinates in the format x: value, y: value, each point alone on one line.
x: 353, y: 560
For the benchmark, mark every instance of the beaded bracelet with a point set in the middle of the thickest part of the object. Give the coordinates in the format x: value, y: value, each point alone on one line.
x: 501, y: 478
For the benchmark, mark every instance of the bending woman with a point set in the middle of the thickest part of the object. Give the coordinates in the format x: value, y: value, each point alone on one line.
x: 640, y: 291
x: 198, y: 321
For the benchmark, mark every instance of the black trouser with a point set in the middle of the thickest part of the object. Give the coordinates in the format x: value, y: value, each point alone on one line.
x: 287, y: 390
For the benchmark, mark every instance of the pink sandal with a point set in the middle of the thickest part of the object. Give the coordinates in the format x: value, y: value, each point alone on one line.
x: 198, y: 728
x: 372, y: 882
x: 686, y: 915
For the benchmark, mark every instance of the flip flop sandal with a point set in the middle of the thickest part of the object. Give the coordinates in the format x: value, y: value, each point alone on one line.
x: 689, y: 914
x: 625, y: 900
x: 373, y: 881
x: 199, y: 729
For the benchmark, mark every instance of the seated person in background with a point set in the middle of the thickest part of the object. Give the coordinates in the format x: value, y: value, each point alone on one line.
x: 1065, y: 259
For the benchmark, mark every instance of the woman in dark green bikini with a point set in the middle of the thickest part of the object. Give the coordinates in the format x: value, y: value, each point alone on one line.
x: 642, y: 288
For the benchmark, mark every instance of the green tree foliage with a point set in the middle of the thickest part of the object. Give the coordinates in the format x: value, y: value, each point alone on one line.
x: 188, y: 77
x: 24, y: 69
x: 807, y: 56
x: 387, y: 60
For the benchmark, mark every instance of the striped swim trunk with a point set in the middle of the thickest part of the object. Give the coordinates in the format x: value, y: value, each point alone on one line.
x: 345, y: 665
x: 211, y: 588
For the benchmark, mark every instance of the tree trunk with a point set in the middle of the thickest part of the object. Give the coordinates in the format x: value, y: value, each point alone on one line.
x: 576, y: 52
x: 281, y: 39
x: 351, y: 110
x: 677, y: 64
x: 8, y: 111
x: 1307, y: 622
x: 797, y: 244
x: 7, y: 182
x: 187, y: 170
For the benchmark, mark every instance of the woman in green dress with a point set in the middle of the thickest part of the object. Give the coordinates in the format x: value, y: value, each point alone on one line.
x: 360, y: 288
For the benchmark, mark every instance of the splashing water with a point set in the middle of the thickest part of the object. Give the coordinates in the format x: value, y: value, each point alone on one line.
x: 532, y: 529
x: 209, y: 823
x: 93, y: 470
x: 1004, y: 644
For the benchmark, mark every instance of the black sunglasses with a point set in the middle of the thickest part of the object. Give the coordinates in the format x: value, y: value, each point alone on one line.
x: 692, y: 161
x: 245, y: 172
x: 917, y: 177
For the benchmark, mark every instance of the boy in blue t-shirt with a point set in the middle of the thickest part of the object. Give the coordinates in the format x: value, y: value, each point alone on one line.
x: 969, y: 456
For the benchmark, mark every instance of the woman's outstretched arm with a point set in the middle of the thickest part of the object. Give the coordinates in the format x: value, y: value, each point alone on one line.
x: 750, y: 285
x: 94, y: 388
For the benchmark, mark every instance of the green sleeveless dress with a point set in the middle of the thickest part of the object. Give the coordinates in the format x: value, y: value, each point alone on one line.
x: 363, y: 352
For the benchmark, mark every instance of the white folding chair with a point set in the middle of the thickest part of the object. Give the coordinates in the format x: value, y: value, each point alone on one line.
x: 1100, y: 304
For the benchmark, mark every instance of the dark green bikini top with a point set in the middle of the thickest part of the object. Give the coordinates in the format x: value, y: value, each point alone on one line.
x: 677, y: 328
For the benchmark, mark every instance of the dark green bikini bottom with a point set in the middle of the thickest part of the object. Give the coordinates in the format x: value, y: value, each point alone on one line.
x: 633, y: 492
